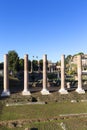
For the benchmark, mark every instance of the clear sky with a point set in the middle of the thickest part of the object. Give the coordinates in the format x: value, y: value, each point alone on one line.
x: 38, y: 27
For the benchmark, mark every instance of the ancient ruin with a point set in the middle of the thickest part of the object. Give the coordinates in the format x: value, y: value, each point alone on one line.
x: 44, y: 91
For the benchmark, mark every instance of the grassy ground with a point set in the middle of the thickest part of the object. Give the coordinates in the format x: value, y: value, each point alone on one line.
x: 80, y: 124
x: 45, y: 111
x: 42, y: 116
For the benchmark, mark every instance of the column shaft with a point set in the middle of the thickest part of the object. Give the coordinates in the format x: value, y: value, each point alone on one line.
x: 79, y: 64
x: 62, y: 72
x: 62, y: 89
x: 79, y: 72
x: 44, y: 90
x: 26, y: 72
x: 44, y: 71
x: 26, y: 77
x: 6, y: 77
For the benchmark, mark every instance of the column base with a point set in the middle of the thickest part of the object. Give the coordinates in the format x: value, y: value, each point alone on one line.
x: 26, y: 92
x: 80, y: 91
x: 45, y: 92
x: 63, y: 91
x: 5, y: 93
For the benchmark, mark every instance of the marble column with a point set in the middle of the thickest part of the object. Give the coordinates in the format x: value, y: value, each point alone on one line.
x: 6, y: 91
x: 38, y: 67
x: 79, y: 64
x: 26, y: 77
x: 62, y: 89
x: 44, y: 90
x: 31, y: 66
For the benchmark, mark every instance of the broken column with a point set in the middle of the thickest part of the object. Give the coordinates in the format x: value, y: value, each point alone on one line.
x: 26, y: 77
x: 79, y: 64
x: 62, y: 89
x: 44, y: 90
x: 6, y: 91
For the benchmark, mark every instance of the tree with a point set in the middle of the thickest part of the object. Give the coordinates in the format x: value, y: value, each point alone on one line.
x: 68, y: 59
x: 58, y: 63
x: 21, y: 64
x: 35, y: 65
x: 41, y: 64
x: 80, y: 53
x: 29, y: 65
x: 68, y: 64
x: 1, y: 66
x: 13, y: 61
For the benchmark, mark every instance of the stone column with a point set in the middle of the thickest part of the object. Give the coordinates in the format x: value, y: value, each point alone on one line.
x: 44, y: 90
x: 38, y: 66
x: 31, y: 66
x: 26, y: 77
x: 6, y: 91
x: 62, y: 89
x: 79, y: 64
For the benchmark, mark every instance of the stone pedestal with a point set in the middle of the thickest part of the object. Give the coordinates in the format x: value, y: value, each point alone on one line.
x: 44, y: 90
x: 62, y: 89
x: 26, y: 92
x: 6, y: 91
x: 79, y: 89
x: 26, y: 77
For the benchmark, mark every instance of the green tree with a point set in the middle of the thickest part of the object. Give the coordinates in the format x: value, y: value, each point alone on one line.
x: 68, y: 59
x: 29, y: 65
x: 1, y: 66
x: 80, y: 53
x: 13, y: 61
x: 35, y: 65
x: 68, y: 64
x: 58, y: 63
x: 21, y: 64
x: 41, y: 64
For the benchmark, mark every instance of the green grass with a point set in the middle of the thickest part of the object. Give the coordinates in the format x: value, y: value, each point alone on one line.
x: 79, y: 123
x: 70, y: 124
x: 42, y: 111
x: 42, y: 117
x: 38, y: 126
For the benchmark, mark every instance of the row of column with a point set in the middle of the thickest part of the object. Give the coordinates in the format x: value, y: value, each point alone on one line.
x: 44, y: 90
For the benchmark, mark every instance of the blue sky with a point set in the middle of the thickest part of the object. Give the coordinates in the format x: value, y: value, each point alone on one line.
x: 38, y: 27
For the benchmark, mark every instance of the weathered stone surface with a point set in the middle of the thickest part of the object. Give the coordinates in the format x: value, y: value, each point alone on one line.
x: 26, y: 77
x: 44, y: 90
x: 6, y: 91
x: 62, y: 89
x: 79, y: 89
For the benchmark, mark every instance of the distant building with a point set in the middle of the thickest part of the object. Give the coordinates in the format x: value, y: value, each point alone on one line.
x: 84, y: 61
x: 51, y: 66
